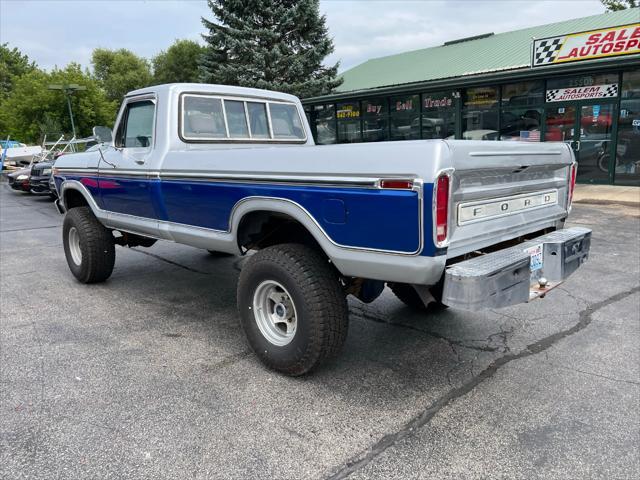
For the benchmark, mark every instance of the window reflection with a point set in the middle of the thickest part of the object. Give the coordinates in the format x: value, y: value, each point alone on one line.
x: 405, y: 117
x: 480, y: 114
x: 522, y: 124
x: 375, y: 120
x: 438, y: 115
x: 325, y: 124
x: 348, y: 115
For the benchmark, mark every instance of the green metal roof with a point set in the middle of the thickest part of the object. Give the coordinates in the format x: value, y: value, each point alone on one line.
x: 495, y: 53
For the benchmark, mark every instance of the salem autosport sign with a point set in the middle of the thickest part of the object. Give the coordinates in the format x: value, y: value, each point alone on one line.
x: 582, y: 93
x: 574, y: 47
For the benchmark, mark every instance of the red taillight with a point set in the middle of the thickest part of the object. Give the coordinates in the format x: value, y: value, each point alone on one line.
x: 572, y: 182
x: 397, y: 184
x: 442, y: 208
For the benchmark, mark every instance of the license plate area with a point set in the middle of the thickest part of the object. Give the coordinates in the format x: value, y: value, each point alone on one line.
x: 536, y: 260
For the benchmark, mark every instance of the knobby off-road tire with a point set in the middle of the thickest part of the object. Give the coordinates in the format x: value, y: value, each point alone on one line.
x: 305, y: 285
x: 408, y: 295
x: 88, y: 246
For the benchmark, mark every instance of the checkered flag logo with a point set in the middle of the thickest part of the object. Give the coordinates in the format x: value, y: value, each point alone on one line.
x: 546, y: 51
x: 611, y: 91
x: 552, y: 94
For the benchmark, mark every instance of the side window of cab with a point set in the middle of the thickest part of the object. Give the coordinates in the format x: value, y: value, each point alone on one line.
x: 136, y: 126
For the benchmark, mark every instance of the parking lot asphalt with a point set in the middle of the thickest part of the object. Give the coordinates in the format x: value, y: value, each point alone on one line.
x: 149, y: 376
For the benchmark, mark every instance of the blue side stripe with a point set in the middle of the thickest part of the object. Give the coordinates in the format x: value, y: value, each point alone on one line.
x: 356, y: 217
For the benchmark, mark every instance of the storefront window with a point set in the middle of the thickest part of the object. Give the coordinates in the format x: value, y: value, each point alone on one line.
x: 405, y: 117
x: 325, y: 130
x: 522, y: 94
x: 521, y: 124
x: 627, y: 167
x: 348, y: 115
x: 375, y: 120
x: 480, y: 114
x: 438, y: 115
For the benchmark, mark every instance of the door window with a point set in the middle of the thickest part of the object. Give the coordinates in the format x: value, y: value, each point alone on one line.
x: 560, y: 124
x: 136, y: 129
x: 593, y: 154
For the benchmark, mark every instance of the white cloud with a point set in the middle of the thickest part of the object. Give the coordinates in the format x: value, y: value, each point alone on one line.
x: 368, y: 29
x: 55, y: 32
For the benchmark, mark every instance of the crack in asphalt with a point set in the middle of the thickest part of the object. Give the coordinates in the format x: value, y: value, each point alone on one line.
x: 419, y: 421
x: 171, y: 262
x: 613, y: 379
x: 31, y: 228
x: 364, y: 316
x: 227, y: 361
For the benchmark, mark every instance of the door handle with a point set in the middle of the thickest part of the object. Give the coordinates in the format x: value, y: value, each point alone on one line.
x: 577, y: 147
x: 139, y: 162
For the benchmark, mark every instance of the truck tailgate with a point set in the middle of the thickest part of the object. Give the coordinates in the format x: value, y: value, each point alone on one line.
x: 502, y: 193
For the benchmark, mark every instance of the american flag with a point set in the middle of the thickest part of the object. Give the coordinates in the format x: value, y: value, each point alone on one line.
x: 530, y: 135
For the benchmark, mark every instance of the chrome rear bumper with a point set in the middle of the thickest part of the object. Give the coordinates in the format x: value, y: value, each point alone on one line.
x: 505, y: 277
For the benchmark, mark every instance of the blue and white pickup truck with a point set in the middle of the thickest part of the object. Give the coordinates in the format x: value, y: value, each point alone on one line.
x: 234, y: 170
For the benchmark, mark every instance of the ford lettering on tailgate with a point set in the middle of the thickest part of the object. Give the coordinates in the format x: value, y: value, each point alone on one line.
x: 499, y: 207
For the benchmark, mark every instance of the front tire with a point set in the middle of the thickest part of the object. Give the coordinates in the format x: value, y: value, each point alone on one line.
x: 292, y: 308
x: 88, y: 246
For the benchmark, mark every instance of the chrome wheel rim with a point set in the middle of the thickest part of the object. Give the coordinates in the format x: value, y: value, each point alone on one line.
x: 275, y: 313
x: 74, y: 246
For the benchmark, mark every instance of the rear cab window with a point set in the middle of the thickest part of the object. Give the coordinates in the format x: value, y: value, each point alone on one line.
x: 212, y: 118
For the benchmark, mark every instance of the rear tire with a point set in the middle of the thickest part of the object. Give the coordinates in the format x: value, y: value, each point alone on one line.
x: 292, y: 308
x: 88, y: 246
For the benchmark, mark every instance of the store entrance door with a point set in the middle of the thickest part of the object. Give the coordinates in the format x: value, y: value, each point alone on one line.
x: 587, y: 128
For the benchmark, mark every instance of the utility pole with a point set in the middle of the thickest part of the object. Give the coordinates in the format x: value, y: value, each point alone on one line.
x: 68, y: 90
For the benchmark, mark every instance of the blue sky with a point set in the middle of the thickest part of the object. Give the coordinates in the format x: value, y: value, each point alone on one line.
x: 55, y: 32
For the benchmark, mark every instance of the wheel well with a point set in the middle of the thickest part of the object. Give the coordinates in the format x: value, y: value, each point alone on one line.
x: 261, y: 229
x: 73, y: 198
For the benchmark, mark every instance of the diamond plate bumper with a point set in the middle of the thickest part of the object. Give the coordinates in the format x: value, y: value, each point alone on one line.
x: 505, y: 277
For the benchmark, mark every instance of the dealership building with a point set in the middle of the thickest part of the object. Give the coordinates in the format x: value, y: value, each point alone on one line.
x: 576, y: 81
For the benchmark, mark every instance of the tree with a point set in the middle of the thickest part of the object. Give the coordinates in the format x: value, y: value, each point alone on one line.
x: 13, y: 64
x: 272, y: 44
x: 32, y: 109
x: 120, y: 71
x: 616, y: 5
x: 179, y: 63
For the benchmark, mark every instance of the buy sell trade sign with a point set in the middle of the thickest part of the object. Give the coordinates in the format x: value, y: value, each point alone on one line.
x: 607, y: 42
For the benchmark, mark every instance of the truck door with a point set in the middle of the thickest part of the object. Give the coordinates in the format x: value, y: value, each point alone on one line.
x: 123, y: 172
